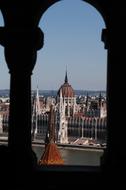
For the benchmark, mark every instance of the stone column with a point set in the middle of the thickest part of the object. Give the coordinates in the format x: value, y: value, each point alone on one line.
x: 21, y: 45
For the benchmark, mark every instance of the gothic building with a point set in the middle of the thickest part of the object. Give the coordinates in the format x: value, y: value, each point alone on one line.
x: 69, y: 98
x: 71, y: 122
x: 95, y: 108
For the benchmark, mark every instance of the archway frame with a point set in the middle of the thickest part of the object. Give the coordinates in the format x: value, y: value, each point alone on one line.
x: 26, y: 26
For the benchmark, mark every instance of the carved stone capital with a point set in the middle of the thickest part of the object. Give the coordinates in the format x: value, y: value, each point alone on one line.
x: 21, y: 45
x: 104, y: 37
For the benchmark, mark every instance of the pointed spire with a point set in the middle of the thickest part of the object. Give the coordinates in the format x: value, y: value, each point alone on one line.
x: 37, y: 92
x: 50, y: 134
x: 87, y: 99
x: 51, y: 155
x: 66, y: 78
x: 100, y: 98
x: 37, y: 102
x: 52, y: 124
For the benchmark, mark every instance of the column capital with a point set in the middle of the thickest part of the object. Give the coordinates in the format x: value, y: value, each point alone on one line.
x: 21, y: 45
x: 23, y: 34
x: 104, y: 37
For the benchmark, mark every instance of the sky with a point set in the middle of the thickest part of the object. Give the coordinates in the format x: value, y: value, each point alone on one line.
x: 72, y: 39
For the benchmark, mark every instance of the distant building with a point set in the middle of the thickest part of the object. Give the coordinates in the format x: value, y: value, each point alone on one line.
x: 84, y: 118
x: 68, y: 96
x: 96, y: 107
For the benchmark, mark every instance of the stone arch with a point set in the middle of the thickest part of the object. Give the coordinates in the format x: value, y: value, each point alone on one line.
x: 1, y: 19
x: 116, y: 154
x: 101, y: 7
x: 42, y: 17
x: 3, y: 67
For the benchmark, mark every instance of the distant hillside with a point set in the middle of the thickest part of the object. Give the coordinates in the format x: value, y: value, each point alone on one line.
x: 77, y: 92
x: 5, y: 92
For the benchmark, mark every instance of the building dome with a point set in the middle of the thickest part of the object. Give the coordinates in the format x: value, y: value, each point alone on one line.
x: 66, y: 89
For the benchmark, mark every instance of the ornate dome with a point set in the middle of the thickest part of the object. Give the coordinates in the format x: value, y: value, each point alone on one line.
x: 66, y: 88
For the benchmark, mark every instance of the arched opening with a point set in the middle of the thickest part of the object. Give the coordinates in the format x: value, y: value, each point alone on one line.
x: 72, y: 31
x: 4, y: 94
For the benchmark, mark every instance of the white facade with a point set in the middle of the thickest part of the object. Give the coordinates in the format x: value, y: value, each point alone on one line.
x: 63, y: 130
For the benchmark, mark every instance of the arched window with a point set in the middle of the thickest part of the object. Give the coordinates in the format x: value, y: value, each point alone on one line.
x: 16, y: 14
x: 72, y: 31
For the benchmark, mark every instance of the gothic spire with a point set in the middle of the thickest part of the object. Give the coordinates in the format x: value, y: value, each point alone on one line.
x: 87, y: 99
x: 100, y: 99
x: 66, y: 78
x: 51, y: 155
x: 52, y: 124
x: 37, y: 102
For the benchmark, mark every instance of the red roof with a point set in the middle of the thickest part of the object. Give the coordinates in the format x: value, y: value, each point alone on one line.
x: 51, y: 155
x: 67, y: 90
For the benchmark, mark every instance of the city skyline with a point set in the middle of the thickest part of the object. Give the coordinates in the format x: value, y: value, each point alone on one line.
x: 72, y: 38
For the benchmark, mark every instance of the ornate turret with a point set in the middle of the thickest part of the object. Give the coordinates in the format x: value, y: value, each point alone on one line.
x: 51, y: 155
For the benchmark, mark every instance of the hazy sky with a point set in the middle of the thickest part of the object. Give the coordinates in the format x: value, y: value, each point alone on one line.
x: 72, y: 31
